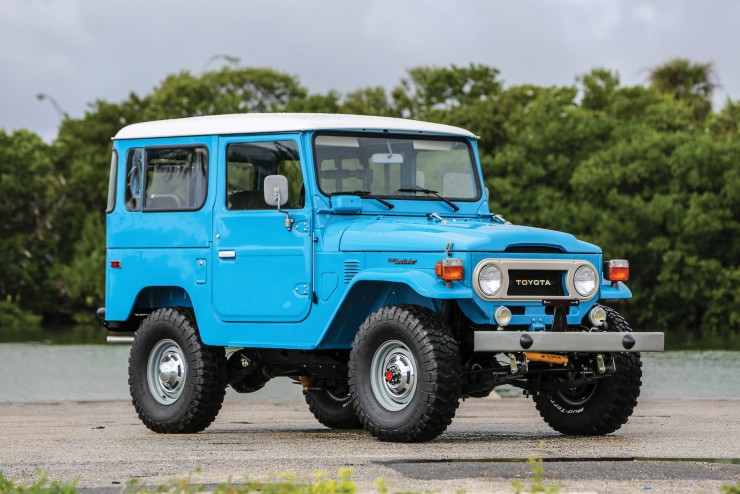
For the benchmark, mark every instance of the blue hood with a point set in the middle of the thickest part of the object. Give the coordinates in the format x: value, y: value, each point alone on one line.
x: 467, y: 236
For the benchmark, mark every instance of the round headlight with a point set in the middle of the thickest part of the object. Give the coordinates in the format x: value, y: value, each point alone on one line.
x: 489, y: 280
x: 585, y: 281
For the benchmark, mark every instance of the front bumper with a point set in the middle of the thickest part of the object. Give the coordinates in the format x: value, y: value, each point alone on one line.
x: 543, y: 341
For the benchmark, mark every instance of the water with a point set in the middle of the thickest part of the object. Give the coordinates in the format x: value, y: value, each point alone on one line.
x: 43, y: 372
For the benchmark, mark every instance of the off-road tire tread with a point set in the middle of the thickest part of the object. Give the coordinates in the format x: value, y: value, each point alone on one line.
x: 439, y: 365
x: 329, y: 412
x: 250, y: 383
x: 624, y: 390
x: 206, y: 382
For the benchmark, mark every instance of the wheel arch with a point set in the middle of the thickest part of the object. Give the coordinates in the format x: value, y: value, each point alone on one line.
x: 364, y: 297
x: 149, y: 299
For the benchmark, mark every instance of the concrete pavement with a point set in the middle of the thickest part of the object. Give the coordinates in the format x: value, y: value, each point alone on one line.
x: 669, y: 445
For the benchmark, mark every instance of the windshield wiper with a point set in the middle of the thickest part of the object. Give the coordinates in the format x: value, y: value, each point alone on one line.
x: 365, y: 195
x: 416, y: 188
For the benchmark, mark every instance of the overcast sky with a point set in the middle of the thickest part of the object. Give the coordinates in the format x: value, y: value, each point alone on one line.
x: 78, y: 51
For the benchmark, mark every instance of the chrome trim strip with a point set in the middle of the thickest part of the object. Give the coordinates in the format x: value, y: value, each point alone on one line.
x: 569, y: 266
x: 542, y: 341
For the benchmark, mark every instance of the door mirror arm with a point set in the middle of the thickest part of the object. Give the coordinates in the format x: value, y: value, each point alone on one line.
x: 276, y: 194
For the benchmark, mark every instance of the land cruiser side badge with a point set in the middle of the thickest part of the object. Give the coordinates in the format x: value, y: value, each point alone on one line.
x: 401, y: 261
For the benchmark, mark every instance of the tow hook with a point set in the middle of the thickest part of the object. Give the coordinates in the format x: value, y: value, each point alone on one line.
x: 600, y: 366
x: 513, y: 364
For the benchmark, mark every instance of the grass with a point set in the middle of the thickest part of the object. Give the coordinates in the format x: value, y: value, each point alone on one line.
x: 538, y: 476
x: 286, y: 484
x: 41, y: 486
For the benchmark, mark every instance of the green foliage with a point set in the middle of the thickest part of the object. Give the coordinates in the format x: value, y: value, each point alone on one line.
x: 635, y: 172
x: 32, y: 199
x: 649, y: 173
x: 13, y: 318
x: 287, y: 484
x: 41, y: 486
x: 730, y: 489
x: 538, y: 483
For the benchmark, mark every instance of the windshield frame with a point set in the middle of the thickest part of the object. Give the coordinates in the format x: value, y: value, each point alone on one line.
x: 474, y: 167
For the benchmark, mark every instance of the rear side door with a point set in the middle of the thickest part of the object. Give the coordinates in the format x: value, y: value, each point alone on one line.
x: 262, y: 269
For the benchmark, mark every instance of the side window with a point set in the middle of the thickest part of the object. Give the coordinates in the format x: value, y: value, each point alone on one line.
x: 112, y: 183
x: 176, y: 178
x: 247, y: 165
x: 134, y: 166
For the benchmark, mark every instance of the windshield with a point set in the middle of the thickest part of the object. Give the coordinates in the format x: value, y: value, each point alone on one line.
x: 396, y: 167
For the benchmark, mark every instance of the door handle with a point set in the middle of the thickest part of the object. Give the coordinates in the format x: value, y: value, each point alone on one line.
x: 227, y: 254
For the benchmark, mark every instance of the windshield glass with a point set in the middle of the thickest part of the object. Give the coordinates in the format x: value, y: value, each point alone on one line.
x: 397, y: 167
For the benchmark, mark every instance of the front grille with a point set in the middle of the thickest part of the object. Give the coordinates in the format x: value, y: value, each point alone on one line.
x: 535, y: 283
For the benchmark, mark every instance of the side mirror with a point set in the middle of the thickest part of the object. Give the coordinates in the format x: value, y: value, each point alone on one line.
x: 276, y: 190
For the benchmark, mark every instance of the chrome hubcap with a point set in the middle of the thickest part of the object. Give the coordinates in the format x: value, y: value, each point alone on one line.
x: 166, y: 372
x: 393, y: 375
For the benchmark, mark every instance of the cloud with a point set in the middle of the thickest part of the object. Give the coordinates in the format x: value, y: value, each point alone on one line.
x: 82, y: 50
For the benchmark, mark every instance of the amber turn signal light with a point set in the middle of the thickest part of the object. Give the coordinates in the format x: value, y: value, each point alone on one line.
x: 617, y: 270
x: 449, y: 269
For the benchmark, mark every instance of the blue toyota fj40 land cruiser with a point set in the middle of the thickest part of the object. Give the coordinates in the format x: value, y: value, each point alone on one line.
x: 358, y: 256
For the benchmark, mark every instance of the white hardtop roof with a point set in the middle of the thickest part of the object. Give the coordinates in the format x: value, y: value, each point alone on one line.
x: 261, y: 123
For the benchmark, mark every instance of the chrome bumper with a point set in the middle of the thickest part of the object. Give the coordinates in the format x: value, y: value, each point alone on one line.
x: 542, y: 341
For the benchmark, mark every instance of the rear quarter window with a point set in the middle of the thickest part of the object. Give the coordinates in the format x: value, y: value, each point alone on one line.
x: 176, y: 178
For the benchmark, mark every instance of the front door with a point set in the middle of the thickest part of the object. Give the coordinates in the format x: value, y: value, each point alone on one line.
x: 262, y: 269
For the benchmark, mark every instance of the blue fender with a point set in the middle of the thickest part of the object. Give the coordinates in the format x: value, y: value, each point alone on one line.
x: 611, y: 291
x: 375, y: 288
x: 424, y: 283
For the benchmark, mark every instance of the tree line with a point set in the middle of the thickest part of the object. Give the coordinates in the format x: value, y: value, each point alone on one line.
x: 650, y: 173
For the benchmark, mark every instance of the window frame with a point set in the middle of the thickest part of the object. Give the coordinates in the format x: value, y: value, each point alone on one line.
x: 112, y: 183
x: 475, y: 169
x: 145, y: 176
x: 126, y: 172
x: 299, y: 161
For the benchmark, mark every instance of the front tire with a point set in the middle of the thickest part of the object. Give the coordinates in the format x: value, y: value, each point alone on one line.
x: 177, y: 383
x: 598, y: 408
x: 405, y: 374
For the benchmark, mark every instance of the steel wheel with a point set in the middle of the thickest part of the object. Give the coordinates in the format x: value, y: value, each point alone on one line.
x: 166, y: 372
x: 393, y: 375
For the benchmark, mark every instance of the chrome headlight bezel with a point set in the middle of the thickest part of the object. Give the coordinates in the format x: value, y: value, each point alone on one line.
x: 490, y: 269
x: 585, y: 280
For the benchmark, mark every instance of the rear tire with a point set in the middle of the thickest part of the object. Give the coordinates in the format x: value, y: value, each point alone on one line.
x: 251, y: 382
x: 177, y: 383
x: 333, y: 408
x: 405, y: 374
x: 602, y: 407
